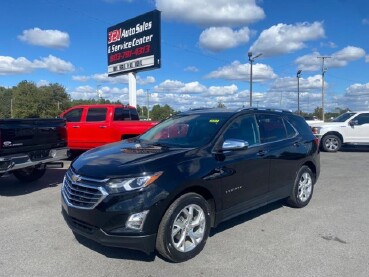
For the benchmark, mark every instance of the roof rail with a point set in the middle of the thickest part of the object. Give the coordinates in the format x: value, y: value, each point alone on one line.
x: 265, y: 109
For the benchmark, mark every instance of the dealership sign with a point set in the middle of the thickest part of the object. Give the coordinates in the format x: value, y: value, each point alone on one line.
x: 134, y: 45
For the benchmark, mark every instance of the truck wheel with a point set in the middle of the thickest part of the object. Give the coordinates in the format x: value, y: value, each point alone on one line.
x: 302, y: 189
x: 184, y: 228
x: 29, y: 174
x: 331, y: 143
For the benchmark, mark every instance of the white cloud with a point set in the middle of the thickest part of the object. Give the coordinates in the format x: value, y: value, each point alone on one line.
x: 367, y: 58
x: 45, y: 38
x: 9, y: 65
x: 358, y: 90
x: 365, y: 21
x: 121, y: 79
x: 54, y: 64
x: 169, y: 86
x: 191, y: 69
x: 289, y: 84
x: 220, y: 38
x: 42, y: 83
x: 283, y: 38
x: 238, y: 71
x: 223, y: 91
x: 212, y: 12
x: 21, y: 65
x: 346, y: 55
x: 341, y: 58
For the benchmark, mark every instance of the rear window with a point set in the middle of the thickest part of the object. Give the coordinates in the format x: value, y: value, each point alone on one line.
x: 300, y: 125
x: 271, y: 128
x: 121, y: 114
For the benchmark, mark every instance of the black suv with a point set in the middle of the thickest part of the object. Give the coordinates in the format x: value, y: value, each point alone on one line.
x: 165, y: 189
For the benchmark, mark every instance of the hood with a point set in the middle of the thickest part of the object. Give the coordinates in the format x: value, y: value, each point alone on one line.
x: 125, y: 158
x: 330, y: 124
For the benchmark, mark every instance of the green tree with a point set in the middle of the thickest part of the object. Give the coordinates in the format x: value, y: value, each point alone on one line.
x: 5, y: 102
x: 221, y: 105
x: 161, y: 112
x: 32, y: 101
x: 318, y: 112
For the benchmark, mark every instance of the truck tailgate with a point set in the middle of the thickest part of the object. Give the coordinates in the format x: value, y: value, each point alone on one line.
x: 25, y: 135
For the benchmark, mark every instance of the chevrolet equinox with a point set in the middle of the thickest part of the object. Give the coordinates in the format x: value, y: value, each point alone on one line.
x: 165, y: 189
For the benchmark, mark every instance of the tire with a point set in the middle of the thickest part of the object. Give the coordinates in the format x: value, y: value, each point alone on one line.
x: 29, y: 174
x: 331, y: 143
x: 303, y: 188
x: 182, y: 235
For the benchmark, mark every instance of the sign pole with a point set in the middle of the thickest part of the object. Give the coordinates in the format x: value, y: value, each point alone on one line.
x: 132, y: 95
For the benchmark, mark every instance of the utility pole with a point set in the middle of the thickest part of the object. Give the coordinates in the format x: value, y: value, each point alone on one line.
x: 148, y: 104
x: 298, y: 75
x: 324, y: 69
x: 11, y: 108
x: 251, y: 60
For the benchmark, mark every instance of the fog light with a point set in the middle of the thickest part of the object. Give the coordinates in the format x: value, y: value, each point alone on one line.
x: 52, y: 153
x: 136, y: 221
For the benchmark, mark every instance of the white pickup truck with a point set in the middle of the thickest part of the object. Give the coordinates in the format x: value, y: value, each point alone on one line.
x: 348, y: 128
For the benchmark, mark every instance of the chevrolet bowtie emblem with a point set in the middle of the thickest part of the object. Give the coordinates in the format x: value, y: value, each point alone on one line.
x: 76, y: 178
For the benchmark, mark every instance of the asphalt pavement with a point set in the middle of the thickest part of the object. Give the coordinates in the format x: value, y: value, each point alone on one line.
x: 329, y: 237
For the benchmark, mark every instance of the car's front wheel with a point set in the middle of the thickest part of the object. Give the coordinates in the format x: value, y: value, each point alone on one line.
x: 184, y: 228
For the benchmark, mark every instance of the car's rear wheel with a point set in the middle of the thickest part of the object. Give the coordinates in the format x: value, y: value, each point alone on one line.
x: 29, y: 174
x: 331, y: 143
x: 303, y: 188
x: 184, y: 228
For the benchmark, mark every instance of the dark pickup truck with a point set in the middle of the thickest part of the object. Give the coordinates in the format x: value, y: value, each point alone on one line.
x: 28, y: 146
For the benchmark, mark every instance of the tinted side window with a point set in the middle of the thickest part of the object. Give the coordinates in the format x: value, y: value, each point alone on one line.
x: 125, y: 114
x: 96, y: 114
x: 74, y: 115
x: 300, y: 125
x: 134, y: 114
x: 121, y: 114
x: 291, y: 132
x: 243, y: 128
x: 271, y: 128
x: 362, y: 119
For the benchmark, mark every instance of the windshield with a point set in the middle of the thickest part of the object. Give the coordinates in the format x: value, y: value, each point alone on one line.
x: 192, y: 130
x: 343, y: 117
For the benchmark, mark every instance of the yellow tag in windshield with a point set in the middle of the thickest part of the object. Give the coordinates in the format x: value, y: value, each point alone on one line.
x: 216, y: 121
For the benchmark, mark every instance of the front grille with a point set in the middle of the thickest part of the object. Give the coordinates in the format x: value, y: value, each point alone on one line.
x: 82, y: 192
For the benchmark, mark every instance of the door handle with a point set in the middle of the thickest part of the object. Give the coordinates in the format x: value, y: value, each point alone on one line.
x: 75, y: 126
x: 102, y: 126
x: 261, y: 153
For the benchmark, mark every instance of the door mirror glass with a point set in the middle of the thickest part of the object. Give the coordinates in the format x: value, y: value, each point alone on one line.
x: 234, y: 144
x: 353, y: 122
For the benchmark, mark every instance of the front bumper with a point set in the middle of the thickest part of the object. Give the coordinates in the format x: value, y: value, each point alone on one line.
x: 107, y: 226
x: 145, y: 243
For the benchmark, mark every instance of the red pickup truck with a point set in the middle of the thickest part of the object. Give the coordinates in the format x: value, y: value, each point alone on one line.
x: 89, y: 126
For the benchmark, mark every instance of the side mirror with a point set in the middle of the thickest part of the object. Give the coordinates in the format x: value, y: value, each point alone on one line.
x: 234, y: 144
x: 353, y: 122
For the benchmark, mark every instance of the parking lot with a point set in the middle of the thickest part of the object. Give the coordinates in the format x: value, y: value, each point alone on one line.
x: 327, y: 238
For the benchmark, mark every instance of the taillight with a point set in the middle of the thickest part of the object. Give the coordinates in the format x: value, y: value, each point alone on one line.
x: 316, y: 140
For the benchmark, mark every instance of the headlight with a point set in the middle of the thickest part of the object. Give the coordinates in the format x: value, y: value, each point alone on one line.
x: 128, y: 184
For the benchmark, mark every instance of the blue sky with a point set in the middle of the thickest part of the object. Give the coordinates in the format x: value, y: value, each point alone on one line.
x: 204, y: 51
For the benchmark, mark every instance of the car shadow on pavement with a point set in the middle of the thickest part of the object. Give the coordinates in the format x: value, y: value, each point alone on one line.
x: 115, y: 252
x: 355, y: 148
x: 10, y: 186
x: 246, y: 217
